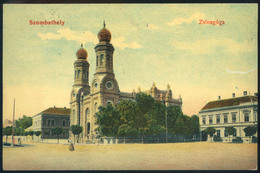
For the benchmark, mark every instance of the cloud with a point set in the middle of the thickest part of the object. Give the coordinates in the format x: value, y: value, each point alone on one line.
x: 151, y: 27
x: 179, y: 21
x: 120, y: 42
x: 81, y: 37
x: 240, y: 72
x: 84, y: 37
x: 207, y: 46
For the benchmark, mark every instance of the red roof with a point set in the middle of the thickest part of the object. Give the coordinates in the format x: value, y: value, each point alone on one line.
x: 229, y: 102
x: 57, y: 111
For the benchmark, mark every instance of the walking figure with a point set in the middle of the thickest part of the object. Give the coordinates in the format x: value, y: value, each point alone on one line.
x: 71, y: 147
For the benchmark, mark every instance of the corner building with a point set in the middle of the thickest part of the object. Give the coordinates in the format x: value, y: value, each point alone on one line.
x: 87, y: 97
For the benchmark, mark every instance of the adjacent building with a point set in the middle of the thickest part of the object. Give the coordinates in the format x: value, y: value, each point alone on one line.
x: 238, y: 112
x: 49, y: 119
x: 87, y: 96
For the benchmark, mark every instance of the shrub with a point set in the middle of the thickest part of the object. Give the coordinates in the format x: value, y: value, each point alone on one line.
x: 217, y: 138
x: 237, y: 140
x: 254, y: 139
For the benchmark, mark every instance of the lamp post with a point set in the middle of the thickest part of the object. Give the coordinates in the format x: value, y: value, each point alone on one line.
x: 166, y: 125
x: 166, y: 130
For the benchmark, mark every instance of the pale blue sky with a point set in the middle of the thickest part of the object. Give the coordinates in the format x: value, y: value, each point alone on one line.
x: 153, y: 42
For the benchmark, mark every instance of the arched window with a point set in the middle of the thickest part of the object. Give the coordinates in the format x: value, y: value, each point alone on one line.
x: 78, y: 73
x: 74, y: 116
x: 109, y: 102
x: 97, y: 60
x: 87, y: 114
x: 246, y: 115
x: 75, y: 75
x: 101, y: 59
x: 95, y: 107
x: 88, y: 127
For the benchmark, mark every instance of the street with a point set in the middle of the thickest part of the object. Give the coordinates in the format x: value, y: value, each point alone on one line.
x: 171, y: 156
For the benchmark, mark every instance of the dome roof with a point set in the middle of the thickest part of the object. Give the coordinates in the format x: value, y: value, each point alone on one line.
x: 104, y: 34
x: 82, y: 53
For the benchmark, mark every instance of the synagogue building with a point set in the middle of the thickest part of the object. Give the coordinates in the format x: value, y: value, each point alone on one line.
x: 87, y: 96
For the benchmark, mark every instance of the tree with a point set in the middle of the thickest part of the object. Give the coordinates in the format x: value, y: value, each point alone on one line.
x: 182, y: 126
x: 31, y: 133
x: 210, y: 131
x: 76, y: 130
x: 230, y: 131
x: 194, y: 125
x: 8, y: 131
x: 24, y: 122
x: 38, y: 133
x: 250, y: 131
x: 58, y: 131
x: 19, y: 131
x: 145, y: 104
x: 108, y: 120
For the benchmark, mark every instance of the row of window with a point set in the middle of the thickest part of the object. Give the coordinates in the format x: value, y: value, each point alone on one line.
x: 52, y: 123
x: 84, y: 74
x: 226, y: 134
x: 101, y: 58
x: 234, y: 118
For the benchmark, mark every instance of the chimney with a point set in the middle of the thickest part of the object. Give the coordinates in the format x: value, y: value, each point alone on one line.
x: 219, y: 97
x: 256, y: 94
x: 245, y: 93
x: 233, y: 95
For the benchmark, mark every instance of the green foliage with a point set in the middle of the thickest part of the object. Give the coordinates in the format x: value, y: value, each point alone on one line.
x: 26, y: 133
x: 217, y: 138
x: 38, y: 133
x: 19, y: 131
x: 31, y: 133
x: 108, y: 119
x: 8, y: 131
x: 144, y: 116
x: 182, y: 125
x: 76, y: 129
x: 230, y: 130
x: 58, y: 131
x: 194, y: 125
x: 250, y: 130
x: 24, y: 122
x: 210, y: 131
x: 237, y: 140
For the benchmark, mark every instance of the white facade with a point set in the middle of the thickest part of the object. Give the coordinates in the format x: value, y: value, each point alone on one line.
x: 239, y: 116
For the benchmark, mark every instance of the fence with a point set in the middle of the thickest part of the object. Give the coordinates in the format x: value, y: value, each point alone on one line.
x: 148, y: 139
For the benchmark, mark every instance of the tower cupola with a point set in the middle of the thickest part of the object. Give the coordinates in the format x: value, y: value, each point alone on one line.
x: 82, y: 53
x: 104, y: 34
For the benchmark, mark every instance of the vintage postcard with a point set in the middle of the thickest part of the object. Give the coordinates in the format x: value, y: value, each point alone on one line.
x: 130, y: 86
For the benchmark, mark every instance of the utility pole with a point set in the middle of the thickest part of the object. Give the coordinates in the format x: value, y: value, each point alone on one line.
x: 12, y: 144
x: 166, y: 125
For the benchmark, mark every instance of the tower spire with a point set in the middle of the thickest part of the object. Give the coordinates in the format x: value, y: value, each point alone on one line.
x: 81, y: 44
x: 104, y: 23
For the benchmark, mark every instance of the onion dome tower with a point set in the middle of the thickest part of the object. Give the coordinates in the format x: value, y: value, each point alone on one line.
x: 81, y: 67
x: 104, y: 51
x: 81, y: 85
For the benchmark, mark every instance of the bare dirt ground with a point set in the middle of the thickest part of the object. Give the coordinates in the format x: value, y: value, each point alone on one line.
x: 172, y: 156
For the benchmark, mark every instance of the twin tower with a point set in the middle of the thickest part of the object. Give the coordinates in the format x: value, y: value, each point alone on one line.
x: 87, y: 97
